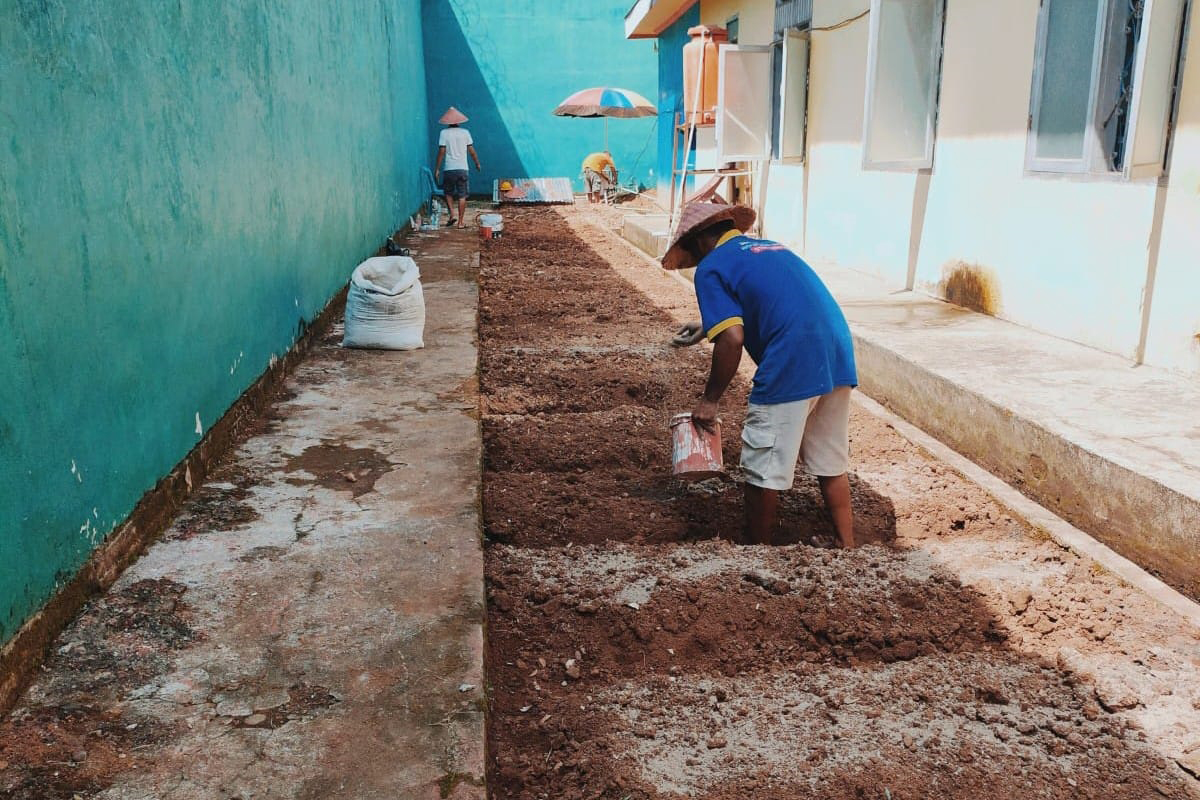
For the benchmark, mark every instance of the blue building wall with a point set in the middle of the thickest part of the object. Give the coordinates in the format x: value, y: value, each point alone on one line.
x: 670, y: 93
x: 506, y: 65
x: 183, y: 186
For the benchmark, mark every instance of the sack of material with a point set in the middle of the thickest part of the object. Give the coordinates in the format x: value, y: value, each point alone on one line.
x: 385, y: 308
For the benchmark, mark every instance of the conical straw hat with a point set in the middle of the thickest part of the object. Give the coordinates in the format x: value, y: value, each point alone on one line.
x: 697, y: 217
x: 453, y: 117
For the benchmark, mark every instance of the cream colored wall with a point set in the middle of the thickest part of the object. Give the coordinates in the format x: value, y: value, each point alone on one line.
x: 783, y: 211
x: 1065, y: 254
x: 1174, y: 330
x: 1062, y: 254
x: 756, y: 18
x: 855, y: 216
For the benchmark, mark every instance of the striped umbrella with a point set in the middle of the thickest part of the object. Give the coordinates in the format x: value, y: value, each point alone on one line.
x: 605, y: 101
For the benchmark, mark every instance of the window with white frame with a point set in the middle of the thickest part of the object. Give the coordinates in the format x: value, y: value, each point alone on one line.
x: 904, y: 61
x: 789, y: 101
x: 1103, y: 86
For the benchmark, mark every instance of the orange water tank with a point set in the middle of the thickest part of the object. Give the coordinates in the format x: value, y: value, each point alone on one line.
x: 700, y: 69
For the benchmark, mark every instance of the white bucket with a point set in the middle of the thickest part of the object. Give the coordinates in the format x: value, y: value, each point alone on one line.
x: 491, y: 226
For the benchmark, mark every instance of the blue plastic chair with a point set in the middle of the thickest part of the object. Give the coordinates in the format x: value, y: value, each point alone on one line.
x: 434, y: 189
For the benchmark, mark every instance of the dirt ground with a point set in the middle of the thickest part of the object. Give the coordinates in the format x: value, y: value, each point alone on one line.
x: 635, y: 652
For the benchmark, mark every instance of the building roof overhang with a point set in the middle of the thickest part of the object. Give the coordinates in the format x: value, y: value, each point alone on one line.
x: 649, y: 18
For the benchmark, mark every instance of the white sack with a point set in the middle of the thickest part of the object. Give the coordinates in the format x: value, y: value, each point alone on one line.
x: 385, y: 308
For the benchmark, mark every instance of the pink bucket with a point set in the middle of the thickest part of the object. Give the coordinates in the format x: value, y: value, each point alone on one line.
x: 696, y: 453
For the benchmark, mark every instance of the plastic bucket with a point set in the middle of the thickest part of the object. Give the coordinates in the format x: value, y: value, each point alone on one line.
x: 490, y: 225
x: 696, y: 453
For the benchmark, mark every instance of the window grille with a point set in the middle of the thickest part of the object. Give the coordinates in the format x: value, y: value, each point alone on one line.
x: 792, y: 14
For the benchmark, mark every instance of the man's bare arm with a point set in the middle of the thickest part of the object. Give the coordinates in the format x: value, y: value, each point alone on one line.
x: 727, y: 355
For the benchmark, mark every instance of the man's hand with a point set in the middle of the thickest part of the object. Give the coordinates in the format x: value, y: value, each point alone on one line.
x: 705, y: 415
x: 437, y: 176
x: 688, y: 335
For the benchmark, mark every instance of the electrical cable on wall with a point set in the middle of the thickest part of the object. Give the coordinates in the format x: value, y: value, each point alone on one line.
x: 843, y: 23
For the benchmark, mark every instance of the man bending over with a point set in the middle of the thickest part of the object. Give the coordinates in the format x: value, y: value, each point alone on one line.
x: 758, y: 294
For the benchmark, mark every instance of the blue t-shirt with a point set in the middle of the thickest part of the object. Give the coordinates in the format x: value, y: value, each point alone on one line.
x: 794, y: 329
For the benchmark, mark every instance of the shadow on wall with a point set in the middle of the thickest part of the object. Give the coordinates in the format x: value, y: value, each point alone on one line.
x: 457, y: 78
x: 971, y: 286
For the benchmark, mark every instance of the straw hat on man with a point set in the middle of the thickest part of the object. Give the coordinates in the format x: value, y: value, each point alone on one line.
x: 452, y: 117
x: 759, y: 294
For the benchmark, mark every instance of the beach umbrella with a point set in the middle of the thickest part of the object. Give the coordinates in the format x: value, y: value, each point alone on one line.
x: 605, y: 101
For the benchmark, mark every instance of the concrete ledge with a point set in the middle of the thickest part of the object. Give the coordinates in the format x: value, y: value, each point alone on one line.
x: 648, y: 232
x: 1113, y: 450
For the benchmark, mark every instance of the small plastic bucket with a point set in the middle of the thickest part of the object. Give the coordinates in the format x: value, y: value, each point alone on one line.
x: 696, y: 453
x: 490, y: 225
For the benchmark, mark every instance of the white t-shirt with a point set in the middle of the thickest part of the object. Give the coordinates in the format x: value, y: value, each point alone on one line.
x: 455, y: 140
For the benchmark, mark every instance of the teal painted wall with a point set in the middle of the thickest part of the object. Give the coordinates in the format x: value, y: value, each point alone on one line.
x: 506, y: 65
x: 183, y: 186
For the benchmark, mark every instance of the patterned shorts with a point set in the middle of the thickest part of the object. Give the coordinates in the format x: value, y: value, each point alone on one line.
x: 456, y: 183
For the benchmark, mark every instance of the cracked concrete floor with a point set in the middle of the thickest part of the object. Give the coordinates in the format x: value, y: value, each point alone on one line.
x: 311, y: 624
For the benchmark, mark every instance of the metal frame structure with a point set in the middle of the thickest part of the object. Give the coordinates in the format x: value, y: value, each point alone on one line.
x: 683, y: 141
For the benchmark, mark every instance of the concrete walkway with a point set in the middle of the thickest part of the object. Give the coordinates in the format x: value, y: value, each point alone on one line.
x: 1112, y: 448
x: 311, y: 626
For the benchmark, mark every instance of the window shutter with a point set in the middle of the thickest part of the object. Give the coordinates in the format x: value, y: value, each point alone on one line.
x: 1066, y: 74
x: 743, y: 103
x: 1154, y: 78
x: 903, y: 72
x: 793, y: 90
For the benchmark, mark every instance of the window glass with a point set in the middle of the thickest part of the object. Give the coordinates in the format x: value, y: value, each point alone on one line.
x: 1069, y: 58
x: 900, y: 111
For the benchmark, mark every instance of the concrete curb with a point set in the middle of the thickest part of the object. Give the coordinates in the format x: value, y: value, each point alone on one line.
x: 1143, y: 519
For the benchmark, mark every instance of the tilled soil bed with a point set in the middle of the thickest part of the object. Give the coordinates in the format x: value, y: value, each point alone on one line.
x: 634, y: 651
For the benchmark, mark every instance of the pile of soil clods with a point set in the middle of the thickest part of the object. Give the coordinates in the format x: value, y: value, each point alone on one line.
x: 635, y: 653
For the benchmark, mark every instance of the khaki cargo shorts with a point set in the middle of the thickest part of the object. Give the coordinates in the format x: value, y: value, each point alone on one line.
x: 775, y: 436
